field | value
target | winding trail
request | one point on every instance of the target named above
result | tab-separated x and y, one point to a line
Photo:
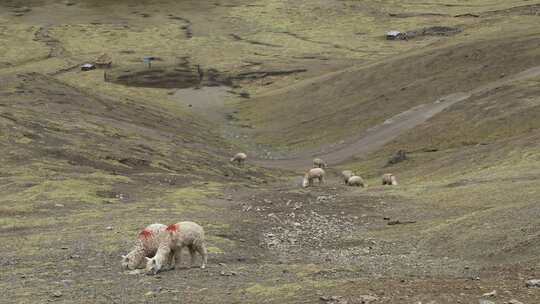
376	137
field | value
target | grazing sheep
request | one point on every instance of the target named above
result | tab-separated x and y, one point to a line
346	175
315	173
178	236
319	163
146	246
389	179
356	181
239	158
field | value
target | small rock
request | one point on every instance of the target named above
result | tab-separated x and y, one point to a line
57	294
59	205
482	301
365	299
149	294
514	301
490	294
533	283
136	271
109	228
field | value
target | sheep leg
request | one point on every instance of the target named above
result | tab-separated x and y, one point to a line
178	257
192	252
204	254
170	261
321	180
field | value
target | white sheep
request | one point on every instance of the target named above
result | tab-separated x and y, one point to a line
315	173
319	163
346	174
178	236
146	246
389	179
239	158
356	181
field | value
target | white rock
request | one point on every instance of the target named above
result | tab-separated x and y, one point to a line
533	283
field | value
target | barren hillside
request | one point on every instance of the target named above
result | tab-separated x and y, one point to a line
89	158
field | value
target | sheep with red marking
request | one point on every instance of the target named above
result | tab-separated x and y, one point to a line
146	246
171	243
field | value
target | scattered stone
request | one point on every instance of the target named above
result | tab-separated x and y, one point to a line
533	283
59	205
482	301
514	301
365	299
109	228
149	294
57	294
490	294
136	271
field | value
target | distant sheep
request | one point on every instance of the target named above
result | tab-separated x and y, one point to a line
356	181
171	243
239	158
146	246
315	173
319	163
346	175
389	179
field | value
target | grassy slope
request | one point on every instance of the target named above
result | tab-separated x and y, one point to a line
479	163
61	144
348	103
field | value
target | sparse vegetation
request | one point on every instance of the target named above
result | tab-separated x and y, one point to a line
91	157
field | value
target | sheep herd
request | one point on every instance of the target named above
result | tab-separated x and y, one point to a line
349	177
159	247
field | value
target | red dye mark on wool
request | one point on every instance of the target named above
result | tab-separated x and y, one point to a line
172	228
145	234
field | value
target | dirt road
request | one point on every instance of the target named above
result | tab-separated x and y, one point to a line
376	137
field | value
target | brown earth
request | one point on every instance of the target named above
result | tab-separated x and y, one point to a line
87	162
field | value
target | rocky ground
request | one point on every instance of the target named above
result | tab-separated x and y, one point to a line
90	158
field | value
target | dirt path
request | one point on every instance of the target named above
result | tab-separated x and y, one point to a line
378	136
